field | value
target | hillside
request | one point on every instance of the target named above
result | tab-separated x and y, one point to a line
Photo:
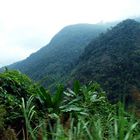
56	59
82	110
113	60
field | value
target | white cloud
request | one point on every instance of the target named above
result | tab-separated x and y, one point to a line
10	55
27	25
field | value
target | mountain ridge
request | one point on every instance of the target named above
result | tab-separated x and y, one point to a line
58	57
112	59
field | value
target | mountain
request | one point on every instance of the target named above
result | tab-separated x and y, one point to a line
54	61
113	60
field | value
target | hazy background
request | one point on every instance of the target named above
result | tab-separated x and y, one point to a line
27	25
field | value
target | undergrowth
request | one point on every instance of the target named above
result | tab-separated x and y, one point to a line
30	112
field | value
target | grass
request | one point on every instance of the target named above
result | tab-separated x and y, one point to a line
119	126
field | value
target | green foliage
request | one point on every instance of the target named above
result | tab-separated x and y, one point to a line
76	87
58	96
13	87
117	127
81	113
45	97
88	100
2	119
113	60
15	83
50	102
28	110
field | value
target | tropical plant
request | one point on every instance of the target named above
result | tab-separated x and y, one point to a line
28	110
50	102
86	100
79	113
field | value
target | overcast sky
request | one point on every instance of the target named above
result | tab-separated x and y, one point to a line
27	25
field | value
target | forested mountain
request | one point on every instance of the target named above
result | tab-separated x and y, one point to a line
113	60
30	111
56	59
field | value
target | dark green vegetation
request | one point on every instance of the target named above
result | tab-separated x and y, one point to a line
54	61
113	60
30	112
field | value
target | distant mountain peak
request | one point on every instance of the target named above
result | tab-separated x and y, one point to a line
128	23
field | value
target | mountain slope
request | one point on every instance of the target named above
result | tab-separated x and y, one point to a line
113	60
56	59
